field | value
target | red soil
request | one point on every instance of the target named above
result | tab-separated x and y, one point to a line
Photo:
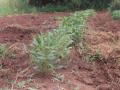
20	28
102	34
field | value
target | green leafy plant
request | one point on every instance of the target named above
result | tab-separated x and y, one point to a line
49	51
75	26
116	14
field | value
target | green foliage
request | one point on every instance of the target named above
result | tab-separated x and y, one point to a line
116	14
94	4
49	50
115	5
75	25
53	8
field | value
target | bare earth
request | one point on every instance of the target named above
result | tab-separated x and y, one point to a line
103	34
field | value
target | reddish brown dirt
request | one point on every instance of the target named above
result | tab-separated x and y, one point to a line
20	28
103	37
102	34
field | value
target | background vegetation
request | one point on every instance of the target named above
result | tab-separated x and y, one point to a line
115	5
28	6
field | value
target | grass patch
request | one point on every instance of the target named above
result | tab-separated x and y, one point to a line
116	14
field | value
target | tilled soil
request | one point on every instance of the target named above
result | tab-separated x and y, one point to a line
20	28
102	35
